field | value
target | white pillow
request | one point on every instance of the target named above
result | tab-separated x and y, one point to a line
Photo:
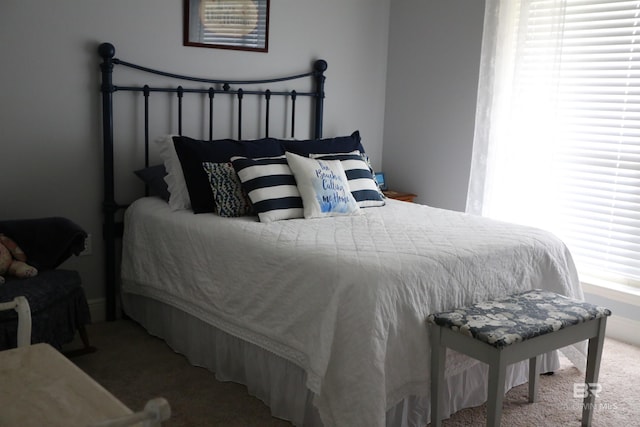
323	187
178	193
362	183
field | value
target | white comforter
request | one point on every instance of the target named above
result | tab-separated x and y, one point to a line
344	298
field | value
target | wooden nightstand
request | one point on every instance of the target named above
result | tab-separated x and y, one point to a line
399	195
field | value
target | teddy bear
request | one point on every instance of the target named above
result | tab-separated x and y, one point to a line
13	260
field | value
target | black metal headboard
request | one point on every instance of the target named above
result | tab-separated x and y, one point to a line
227	87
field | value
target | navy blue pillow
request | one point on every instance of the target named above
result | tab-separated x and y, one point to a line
340	144
153	177
192	153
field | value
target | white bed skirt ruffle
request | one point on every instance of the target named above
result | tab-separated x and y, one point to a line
281	385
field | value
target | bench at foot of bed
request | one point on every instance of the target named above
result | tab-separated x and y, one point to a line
505	331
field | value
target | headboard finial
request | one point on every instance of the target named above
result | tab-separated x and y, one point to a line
106	50
320	65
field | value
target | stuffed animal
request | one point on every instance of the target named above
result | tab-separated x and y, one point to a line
13	260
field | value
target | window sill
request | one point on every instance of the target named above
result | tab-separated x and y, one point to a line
624	302
612	291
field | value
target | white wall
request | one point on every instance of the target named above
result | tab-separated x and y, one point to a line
432	81
49	101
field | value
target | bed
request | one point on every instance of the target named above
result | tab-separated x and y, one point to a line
321	318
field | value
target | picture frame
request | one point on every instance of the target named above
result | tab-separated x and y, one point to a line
380	180
227	24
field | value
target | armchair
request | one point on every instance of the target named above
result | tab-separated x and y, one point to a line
58	304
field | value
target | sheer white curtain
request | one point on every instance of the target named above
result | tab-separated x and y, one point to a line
557	139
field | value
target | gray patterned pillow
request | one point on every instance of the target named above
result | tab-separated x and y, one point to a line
230	199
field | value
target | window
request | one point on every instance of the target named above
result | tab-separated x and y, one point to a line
557	142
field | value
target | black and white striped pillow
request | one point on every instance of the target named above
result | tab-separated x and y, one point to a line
362	183
271	187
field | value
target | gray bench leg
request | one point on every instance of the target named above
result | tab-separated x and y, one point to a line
497	375
593	370
534	373
437	375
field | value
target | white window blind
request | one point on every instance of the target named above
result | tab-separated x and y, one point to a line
576	84
598	112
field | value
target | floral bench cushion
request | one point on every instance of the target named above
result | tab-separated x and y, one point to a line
518	317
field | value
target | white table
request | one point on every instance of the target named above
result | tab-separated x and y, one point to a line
40	387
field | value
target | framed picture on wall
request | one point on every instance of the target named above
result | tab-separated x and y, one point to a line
227	24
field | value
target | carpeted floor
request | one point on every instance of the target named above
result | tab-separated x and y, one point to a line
136	367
